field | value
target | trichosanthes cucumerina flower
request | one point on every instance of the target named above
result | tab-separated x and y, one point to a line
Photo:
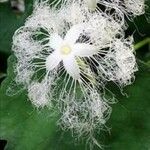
66	55
67	49
64	45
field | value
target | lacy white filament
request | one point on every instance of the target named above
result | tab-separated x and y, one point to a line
66	53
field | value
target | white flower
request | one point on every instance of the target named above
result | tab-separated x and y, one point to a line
84	116
137	7
67	49
65	56
72	43
42	96
126	62
126	7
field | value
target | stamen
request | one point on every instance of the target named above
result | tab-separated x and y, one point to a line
65	50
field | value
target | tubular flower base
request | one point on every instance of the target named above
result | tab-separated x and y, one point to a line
67	53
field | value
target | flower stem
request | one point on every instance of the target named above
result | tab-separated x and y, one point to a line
142	43
144	63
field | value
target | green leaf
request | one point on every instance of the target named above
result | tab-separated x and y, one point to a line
9	22
130	121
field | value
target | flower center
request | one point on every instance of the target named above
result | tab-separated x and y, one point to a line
65	49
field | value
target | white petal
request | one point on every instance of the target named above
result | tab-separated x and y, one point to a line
52	61
74	33
84	50
55	41
92	4
72	67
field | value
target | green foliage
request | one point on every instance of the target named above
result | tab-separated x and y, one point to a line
9	22
130	122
